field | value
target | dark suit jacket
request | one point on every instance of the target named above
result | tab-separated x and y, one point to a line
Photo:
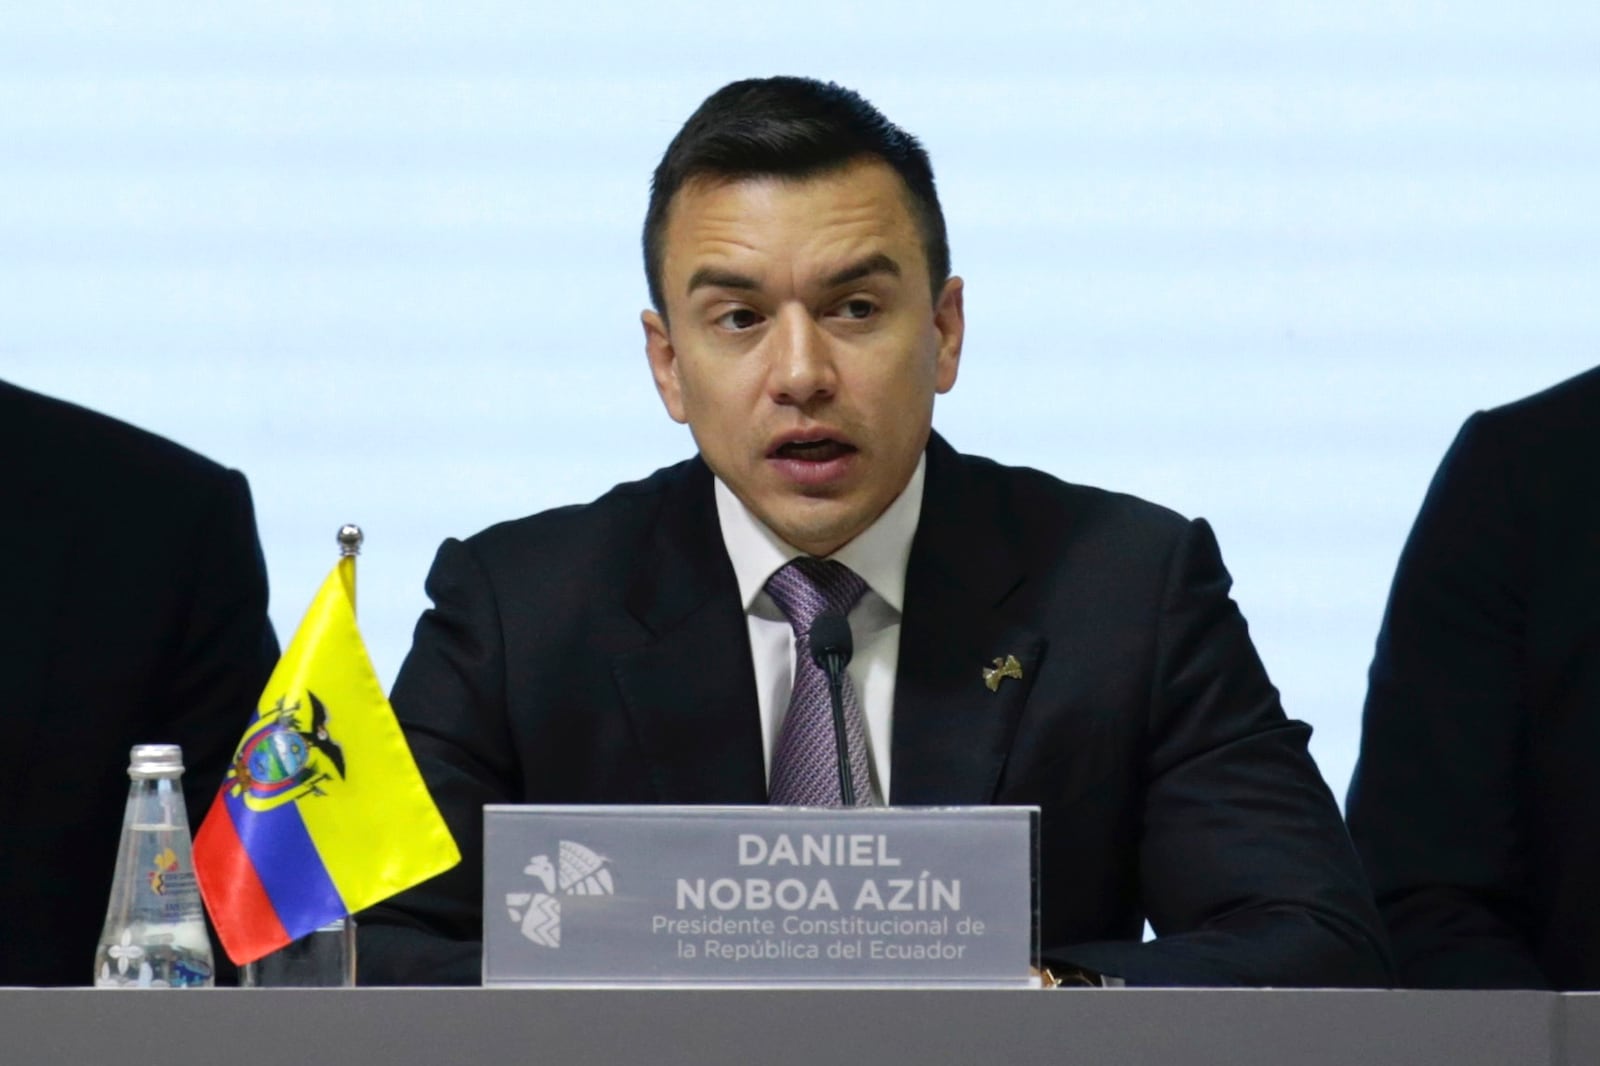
1476	803
599	654
134	611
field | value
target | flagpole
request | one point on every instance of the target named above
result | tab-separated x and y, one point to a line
306	962
350	539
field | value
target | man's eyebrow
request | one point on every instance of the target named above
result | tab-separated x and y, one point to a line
872	264
721	279
715	277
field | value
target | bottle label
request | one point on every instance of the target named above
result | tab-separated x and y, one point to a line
176	891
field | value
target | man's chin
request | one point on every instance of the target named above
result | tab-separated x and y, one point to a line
819	533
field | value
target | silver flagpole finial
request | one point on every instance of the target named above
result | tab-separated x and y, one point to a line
350	538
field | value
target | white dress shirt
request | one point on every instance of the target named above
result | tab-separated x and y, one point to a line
879	555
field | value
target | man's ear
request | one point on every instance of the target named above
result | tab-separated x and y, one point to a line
950	321
663	363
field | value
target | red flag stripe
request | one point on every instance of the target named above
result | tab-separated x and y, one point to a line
241	911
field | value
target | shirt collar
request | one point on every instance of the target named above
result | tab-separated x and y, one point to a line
879	554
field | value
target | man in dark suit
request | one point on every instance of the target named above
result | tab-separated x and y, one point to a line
639	649
135	612
1476	802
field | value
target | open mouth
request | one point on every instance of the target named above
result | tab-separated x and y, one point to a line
813	451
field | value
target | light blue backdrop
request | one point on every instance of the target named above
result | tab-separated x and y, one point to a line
1253	261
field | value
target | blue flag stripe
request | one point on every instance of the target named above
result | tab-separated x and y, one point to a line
288	864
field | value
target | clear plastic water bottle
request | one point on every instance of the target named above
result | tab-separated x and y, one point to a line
155	931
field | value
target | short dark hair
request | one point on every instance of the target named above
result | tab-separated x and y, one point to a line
793	128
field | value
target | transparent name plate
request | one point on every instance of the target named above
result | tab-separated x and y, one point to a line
726	896
325	958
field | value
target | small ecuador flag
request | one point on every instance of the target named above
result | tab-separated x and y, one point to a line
323	811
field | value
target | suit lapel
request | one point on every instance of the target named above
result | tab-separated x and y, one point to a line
690	688
951	731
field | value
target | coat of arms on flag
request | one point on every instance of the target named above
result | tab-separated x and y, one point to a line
285	756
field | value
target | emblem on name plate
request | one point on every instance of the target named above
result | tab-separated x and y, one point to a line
578	871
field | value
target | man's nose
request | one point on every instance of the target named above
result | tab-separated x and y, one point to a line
802	369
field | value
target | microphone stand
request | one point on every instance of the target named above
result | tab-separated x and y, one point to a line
831	648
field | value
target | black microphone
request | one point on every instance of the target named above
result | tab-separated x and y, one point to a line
831	647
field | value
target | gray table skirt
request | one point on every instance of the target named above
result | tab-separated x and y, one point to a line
780	1027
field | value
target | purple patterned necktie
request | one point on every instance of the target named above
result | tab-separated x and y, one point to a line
805	768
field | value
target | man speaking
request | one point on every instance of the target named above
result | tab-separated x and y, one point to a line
1017	640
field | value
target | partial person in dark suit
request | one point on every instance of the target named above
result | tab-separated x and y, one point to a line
1476	801
634	650
135	611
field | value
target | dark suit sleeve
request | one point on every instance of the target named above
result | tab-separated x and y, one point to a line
450	698
1245	869
226	649
1434	801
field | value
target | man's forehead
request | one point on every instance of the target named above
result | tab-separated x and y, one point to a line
838	219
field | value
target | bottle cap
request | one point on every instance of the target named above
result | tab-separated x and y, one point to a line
155	760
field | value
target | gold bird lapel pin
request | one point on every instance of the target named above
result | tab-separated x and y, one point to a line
1002	668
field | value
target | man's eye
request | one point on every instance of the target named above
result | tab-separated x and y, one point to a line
739	318
857	309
